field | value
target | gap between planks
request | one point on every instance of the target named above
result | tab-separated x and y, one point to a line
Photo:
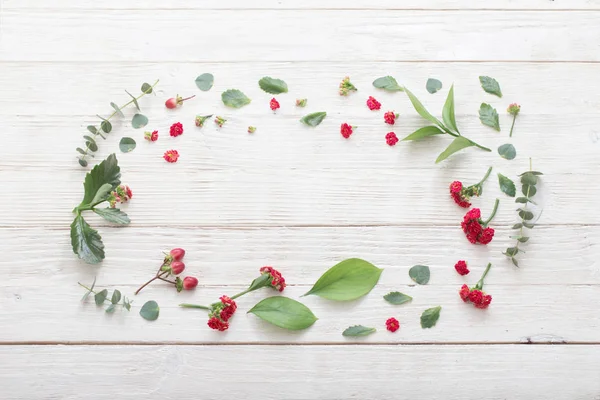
328	61
176	343
62	9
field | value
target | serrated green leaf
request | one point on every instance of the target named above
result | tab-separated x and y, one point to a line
448	111
234	98
150	310
117	109
146	88
106	126
284	313
489	116
421	110
457	145
507	151
387	83
100	297
507	186
127	144
110	309
347	280
528	190
517	226
529	179
107	171
430	317
358	330
134	100
139	121
420	274
397	298
424	132
272	85
116	297
313	119
433	85
205	81
490	85
526	215
113	215
92	129
86	242
101	194
511	251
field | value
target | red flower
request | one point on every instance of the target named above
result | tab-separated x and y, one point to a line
189	282
485	302
476	296
152	137
171	156
486	236
390	118
464	293
216	324
228	309
277	281
456	187
274	104
373	104
461	267
176	129
346	130
392	324
391	139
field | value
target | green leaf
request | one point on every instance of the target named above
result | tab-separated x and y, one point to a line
490	85
139	121
80	150
529	190
489	116
205	82
526	215
86	242
448	111
358	330
537	173
127	303
424	132
528	225
113	215
387	83
511	251
272	85
284	312
106	126
517	226
522	239
110	309
397	298
134	100
507	185
150	310
457	145
117	109
87	294
514	261
100	297
420	274
313	119
529	179
430	317
82	162
433	85
91	143
234	98
92	129
107	171
146	88
420	109
127	144
347	280
102	192
507	151
116	297
524	200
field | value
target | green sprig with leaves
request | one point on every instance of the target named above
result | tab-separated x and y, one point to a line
101	297
529	181
448	126
105	127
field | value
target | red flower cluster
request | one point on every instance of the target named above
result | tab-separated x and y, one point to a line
218	318
274	104
373	104
461	267
462	195
151	136
392	324
479	298
346	130
391	139
171	156
176	129
390	118
121	194
475	229
277	281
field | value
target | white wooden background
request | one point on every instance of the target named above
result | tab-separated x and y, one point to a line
299	199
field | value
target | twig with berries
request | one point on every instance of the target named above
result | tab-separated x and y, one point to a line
462	195
475	294
105	126
476	229
101	297
220	313
172	265
346	87
175	102
513	110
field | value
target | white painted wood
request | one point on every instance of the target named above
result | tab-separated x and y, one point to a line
299	372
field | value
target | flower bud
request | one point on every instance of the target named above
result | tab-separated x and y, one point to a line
177	267
189	283
177	254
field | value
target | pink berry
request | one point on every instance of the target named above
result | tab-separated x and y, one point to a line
177	267
173	102
177	254
189	282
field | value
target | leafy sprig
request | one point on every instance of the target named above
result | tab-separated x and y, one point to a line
105	127
101	297
528	179
448	127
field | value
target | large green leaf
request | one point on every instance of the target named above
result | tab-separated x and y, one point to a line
272	85
284	312
397	298
347	280
205	81
490	85
234	98
86	242
313	119
430	317
448	111
387	83
420	108
424	132
113	215
489	116
107	171
358	330
457	145
507	185
420	274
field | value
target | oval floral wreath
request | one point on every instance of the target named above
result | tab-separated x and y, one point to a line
349	279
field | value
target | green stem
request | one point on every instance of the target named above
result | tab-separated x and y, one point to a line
487	174
185	305
242	293
487	221
158	276
513	125
479	284
83	286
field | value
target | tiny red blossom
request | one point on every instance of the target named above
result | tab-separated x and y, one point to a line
229	308
486	236
461	267
484	302
216	324
373	104
456	187
391	139
390	118
464	293
346	130
392	324
274	104
176	129
151	136
171	156
475	296
277	281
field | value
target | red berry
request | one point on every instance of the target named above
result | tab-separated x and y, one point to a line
189	282
391	139
392	324
171	103
177	267
177	254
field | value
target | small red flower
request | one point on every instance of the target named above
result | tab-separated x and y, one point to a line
456	187
392	324
461	267
228	309
373	104
277	281
274	104
189	282
391	139
475	296
216	324
176	129
151	136
346	130
464	293
177	267
390	118
171	156
485	302
486	236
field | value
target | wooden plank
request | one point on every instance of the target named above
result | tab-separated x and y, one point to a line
300	372
29	35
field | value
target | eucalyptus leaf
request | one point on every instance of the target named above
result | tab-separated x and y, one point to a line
430	317
517	226
490	85
92	129
507	151
424	132
347	280
134	100
146	88
284	312
106	126
272	85
524	200
113	215
529	179
536	173
448	111
80	150
107	171
82	162
91	143
89	291
433	85
116	297
139	121
526	215
313	119
529	190
387	83
421	110
150	310
420	274
205	82
127	144
100	297
528	225
397	298
110	309
489	116
358	330
457	145
86	241
234	98
511	251
117	109
522	239
514	261
507	186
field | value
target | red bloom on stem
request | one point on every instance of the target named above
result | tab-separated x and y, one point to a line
176	129
277	281
462	195
151	136
475	229
391	139
228	309
346	130
216	324
486	236
461	267
373	104
189	283
476	295
274	104
392	324
171	156
464	293
390	118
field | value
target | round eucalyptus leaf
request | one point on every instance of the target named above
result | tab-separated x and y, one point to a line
139	121
127	144
150	310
